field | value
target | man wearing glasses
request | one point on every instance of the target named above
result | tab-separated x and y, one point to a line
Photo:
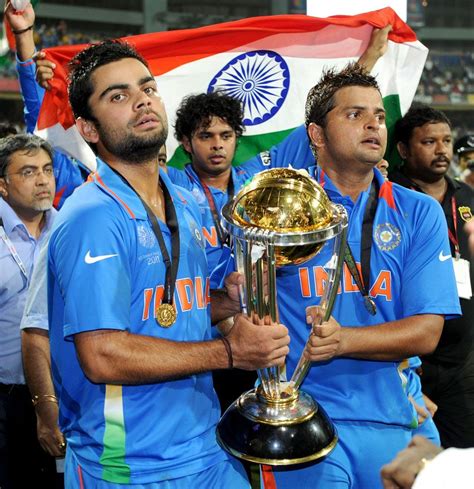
27	188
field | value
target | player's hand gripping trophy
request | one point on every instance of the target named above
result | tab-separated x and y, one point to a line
281	217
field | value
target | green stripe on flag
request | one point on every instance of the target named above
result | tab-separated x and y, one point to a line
247	148
113	457
393	114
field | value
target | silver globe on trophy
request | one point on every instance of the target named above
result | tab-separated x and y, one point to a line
281	217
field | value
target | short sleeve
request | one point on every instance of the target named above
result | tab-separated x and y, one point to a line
89	264
429	284
35	314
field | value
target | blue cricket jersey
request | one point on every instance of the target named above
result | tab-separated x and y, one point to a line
409	237
294	151
129	434
189	180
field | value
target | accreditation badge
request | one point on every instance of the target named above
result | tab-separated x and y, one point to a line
463	278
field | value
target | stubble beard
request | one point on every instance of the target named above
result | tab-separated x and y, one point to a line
134	149
42	206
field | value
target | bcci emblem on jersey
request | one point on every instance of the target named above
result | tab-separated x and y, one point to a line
196	233
387	236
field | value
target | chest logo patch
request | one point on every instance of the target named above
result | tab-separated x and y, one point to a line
387	236
198	195
465	213
145	236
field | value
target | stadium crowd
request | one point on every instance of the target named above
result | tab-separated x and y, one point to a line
108	361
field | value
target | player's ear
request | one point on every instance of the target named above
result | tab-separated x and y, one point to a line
87	129
316	134
187	145
402	150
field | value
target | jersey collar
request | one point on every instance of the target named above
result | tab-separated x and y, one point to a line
109	182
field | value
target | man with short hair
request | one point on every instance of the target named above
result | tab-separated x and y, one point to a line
27	190
129	300
358	354
425	143
208	125
464	149
69	172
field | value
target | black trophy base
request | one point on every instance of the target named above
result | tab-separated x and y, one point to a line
276	434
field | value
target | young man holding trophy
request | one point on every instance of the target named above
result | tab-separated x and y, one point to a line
131	358
389	305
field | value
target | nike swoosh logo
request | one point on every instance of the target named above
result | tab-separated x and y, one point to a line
443	257
94	259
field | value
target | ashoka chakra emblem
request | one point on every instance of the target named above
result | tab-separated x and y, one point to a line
259	79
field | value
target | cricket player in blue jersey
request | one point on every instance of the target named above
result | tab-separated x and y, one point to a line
357	355
208	125
129	301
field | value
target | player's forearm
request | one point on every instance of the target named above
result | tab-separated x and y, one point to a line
25	45
37	361
117	357
412	336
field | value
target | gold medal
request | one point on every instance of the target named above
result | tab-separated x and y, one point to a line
166	315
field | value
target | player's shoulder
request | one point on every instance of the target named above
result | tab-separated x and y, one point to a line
88	211
409	198
180	177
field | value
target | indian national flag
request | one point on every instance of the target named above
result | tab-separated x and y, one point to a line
269	63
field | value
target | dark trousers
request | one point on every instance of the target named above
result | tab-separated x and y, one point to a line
229	384
23	463
451	387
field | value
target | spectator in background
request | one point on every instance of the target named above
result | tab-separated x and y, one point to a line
163	158
425	144
26	215
464	149
70	173
7	129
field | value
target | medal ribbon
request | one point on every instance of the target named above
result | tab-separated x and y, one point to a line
363	281
172	263
221	234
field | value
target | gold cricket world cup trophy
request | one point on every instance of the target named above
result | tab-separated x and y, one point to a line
281	217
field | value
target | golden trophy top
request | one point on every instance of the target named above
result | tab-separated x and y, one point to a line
283	200
287	208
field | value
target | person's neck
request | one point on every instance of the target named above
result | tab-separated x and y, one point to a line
349	183
437	188
144	179
33	220
220	181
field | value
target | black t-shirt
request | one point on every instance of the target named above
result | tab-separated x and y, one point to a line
457	339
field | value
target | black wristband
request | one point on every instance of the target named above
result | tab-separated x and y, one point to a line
22	31
228	349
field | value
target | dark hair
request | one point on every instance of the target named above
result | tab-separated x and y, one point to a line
320	99
196	111
7	129
418	115
85	63
28	143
